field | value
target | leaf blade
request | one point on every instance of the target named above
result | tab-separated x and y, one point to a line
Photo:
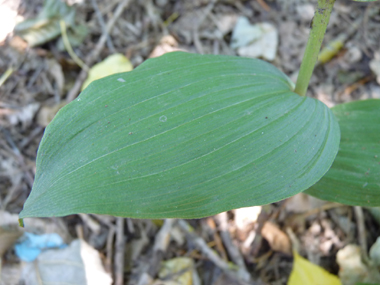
184	136
354	178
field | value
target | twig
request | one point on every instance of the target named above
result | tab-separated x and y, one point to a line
163	236
68	47
119	252
324	207
35	132
91	223
196	40
5	75
233	251
264	5
109	248
160	245
79	231
361	229
209	253
95	53
263	217
130	226
103	25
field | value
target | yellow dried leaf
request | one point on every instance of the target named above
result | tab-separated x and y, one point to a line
177	271
331	50
305	272
115	63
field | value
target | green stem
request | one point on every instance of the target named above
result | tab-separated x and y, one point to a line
318	29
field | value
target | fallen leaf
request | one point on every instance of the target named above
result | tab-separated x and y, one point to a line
47	113
374	252
24	115
301	203
167	44
45	26
115	63
244	33
277	239
75	35
244	219
8	237
246	216
259	40
9	231
352	269
176	271
305	11
78	263
305	272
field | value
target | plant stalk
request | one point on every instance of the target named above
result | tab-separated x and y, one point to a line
318	28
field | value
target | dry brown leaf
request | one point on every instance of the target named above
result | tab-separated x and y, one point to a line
276	238
8	237
302	203
9	231
47	113
167	44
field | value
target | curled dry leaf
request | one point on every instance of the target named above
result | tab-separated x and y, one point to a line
167	44
276	238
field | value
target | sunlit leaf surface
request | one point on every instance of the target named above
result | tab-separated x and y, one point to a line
183	135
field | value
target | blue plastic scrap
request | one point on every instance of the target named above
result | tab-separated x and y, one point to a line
32	245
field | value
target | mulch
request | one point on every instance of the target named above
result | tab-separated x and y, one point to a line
133	250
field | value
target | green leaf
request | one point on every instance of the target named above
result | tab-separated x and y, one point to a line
185	136
45	26
354	178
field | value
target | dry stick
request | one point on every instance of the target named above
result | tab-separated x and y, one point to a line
196	39
109	248
209	253
95	53
361	229
119	252
15	150
69	48
233	251
91	223
103	25
160	245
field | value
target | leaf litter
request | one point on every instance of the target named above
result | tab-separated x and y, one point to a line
43	76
